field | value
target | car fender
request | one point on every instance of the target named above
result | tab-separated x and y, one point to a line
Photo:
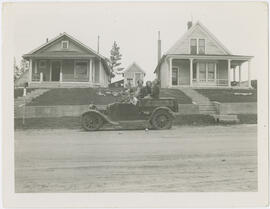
162	109
103	116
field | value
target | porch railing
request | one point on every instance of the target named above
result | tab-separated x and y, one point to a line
36	77
211	82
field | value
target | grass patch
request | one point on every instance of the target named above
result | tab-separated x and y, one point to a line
228	96
18	92
177	94
72	96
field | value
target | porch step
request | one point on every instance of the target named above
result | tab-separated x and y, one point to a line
205	105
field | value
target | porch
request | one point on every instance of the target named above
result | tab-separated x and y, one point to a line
65	72
206	71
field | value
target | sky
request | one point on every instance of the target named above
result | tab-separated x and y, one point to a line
241	27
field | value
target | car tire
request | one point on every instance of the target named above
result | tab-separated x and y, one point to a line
161	120
91	122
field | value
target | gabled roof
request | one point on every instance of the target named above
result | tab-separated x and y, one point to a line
68	36
67	54
173	50
136	65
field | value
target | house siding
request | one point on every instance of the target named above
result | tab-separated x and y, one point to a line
211	46
164	75
57	46
130	73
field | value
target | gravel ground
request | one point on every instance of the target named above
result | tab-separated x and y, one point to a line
183	159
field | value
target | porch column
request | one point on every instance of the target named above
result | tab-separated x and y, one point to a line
41	77
30	70
249	73
229	68
61	74
234	74
170	73
191	72
239	75
99	71
90	70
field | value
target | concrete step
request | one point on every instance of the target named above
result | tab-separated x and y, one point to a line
207	109
210	112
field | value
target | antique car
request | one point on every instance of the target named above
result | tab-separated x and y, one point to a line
154	113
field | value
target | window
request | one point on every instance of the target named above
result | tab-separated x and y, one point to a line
42	64
80	69
64	44
201	46
193	46
211	71
202	69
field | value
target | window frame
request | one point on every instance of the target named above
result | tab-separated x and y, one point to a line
190	42
200	46
76	75
197	45
62	44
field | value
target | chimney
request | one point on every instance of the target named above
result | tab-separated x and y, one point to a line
189	24
159	47
47	40
98	45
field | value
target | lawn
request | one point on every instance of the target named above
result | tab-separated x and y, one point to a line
73	96
229	96
177	94
84	96
18	92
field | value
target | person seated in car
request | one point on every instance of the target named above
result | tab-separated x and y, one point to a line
146	90
138	92
155	89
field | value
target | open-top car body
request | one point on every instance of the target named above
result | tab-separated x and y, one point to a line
156	113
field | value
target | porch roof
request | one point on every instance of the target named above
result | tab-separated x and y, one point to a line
235	59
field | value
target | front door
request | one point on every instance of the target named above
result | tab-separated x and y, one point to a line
56	67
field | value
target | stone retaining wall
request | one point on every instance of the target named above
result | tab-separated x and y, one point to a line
77	110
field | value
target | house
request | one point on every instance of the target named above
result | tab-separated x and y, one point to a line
66	62
132	74
199	59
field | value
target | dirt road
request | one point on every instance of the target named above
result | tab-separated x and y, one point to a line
184	159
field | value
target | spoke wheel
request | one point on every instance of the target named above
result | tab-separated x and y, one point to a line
162	120
91	122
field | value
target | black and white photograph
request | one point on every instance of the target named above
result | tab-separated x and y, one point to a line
136	97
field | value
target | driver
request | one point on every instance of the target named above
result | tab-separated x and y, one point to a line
155	89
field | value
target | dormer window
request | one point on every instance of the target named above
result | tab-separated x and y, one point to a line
201	46
193	46
64	44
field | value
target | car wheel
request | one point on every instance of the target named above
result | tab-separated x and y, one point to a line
162	120
91	122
